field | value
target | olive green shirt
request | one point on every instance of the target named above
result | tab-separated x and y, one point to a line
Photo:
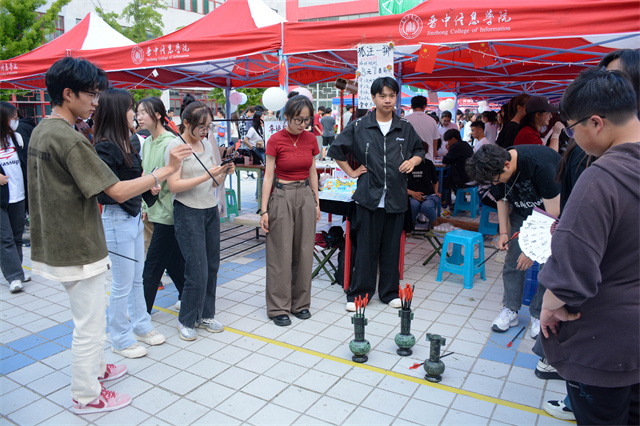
65	176
153	156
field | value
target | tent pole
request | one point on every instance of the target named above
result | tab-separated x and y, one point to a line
227	108
399	98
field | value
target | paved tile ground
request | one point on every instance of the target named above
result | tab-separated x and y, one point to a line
256	373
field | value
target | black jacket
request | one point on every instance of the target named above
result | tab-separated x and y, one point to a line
382	156
4	189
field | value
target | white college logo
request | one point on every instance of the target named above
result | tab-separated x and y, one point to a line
137	55
410	26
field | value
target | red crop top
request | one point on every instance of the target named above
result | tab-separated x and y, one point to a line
292	162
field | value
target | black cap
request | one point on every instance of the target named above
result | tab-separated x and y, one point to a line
539	104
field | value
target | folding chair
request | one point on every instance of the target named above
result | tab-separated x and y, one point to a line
322	254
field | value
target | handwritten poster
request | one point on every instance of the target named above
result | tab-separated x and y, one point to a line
374	60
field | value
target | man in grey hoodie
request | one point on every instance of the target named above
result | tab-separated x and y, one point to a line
590	318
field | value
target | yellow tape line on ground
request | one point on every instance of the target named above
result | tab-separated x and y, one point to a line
417	380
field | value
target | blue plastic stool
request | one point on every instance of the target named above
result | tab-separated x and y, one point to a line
486	227
462	264
232	202
473	206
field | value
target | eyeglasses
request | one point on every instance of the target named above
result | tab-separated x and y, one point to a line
569	130
298	120
497	180
96	95
202	129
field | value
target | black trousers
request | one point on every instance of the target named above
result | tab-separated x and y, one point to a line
164	253
594	405
377	239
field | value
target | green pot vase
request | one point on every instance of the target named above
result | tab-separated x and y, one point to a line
405	340
359	346
434	366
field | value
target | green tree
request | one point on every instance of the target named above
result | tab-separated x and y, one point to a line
22	29
142	15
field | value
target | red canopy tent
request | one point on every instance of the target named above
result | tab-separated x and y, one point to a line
28	69
198	55
535	48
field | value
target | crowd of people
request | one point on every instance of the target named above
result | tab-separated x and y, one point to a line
139	195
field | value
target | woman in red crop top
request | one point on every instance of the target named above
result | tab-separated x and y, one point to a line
289	215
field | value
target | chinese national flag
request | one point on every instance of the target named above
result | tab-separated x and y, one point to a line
426	58
282	74
481	54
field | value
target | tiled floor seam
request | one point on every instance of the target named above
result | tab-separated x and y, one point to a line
379	370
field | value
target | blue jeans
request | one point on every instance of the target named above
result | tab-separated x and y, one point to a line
198	234
428	207
11	229
124	236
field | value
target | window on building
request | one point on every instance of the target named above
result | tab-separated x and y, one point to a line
59	24
197	6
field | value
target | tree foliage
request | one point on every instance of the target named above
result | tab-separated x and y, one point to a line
22	29
142	15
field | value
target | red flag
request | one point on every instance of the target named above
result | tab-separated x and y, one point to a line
282	74
426	58
481	54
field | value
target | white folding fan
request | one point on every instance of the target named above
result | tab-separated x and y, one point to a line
535	235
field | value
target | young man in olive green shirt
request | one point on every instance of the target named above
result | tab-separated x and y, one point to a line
65	176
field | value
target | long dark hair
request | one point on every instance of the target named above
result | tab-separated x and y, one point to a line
520	100
562	167
111	123
257	124
7	110
153	106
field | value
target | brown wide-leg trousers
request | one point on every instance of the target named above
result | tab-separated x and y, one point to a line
290	241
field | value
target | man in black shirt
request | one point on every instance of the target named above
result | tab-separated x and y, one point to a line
422	188
523	177
456	158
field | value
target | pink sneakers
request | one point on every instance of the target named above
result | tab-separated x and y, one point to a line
107	401
113	372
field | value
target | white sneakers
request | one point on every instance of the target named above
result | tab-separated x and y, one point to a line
211	325
506	319
187	333
177	305
133	351
152	338
351	307
15	286
535	328
395	303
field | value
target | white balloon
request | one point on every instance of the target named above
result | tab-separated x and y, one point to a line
274	98
244	98
233	108
305	92
446	104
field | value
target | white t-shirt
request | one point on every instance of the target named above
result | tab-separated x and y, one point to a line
253	137
442	130
10	162
384	127
481	142
491	132
427	128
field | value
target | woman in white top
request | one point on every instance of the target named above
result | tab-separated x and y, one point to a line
13	190
255	136
197	222
490	120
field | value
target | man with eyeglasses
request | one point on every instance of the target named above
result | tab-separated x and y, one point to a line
590	319
522	178
67	238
